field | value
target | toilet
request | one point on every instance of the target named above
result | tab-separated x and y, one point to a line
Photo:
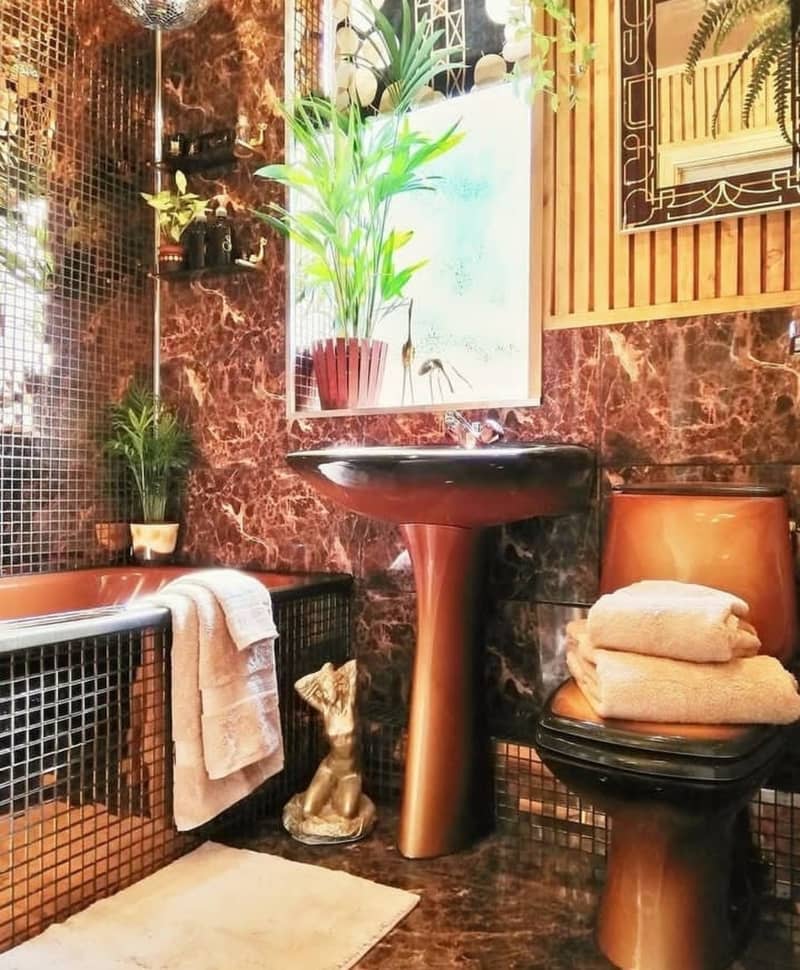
676	895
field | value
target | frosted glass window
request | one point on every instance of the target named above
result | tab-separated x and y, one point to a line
471	301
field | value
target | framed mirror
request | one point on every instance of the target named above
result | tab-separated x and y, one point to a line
685	152
466	331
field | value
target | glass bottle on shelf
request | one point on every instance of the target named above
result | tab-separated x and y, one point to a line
196	237
220	239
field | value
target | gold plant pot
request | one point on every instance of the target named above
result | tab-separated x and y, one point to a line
154	542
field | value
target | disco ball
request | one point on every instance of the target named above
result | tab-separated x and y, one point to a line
164	14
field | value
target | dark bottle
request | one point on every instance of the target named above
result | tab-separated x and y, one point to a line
196	234
220	239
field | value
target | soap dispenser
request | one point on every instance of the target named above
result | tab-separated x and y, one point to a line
220	239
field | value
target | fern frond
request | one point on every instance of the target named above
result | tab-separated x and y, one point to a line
762	71
713	16
782	94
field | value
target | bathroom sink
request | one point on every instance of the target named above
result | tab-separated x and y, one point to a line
451	486
443	498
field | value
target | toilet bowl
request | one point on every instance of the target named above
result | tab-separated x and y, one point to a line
676	894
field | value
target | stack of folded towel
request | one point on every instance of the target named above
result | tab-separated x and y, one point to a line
226	726
677	653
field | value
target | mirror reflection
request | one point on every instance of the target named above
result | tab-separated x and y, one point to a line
709	111
702	132
454	328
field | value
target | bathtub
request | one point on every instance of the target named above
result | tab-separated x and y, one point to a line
85	589
86	753
37	608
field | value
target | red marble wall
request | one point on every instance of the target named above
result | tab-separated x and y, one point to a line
704	398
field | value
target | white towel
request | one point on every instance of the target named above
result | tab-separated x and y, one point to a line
245	601
682	621
628	686
225	713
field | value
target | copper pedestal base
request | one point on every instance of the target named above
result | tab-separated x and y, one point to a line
445	786
668	890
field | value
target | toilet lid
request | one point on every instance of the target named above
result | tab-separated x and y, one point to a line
715	751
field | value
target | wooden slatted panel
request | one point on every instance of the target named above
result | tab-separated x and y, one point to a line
596	275
602	94
793	250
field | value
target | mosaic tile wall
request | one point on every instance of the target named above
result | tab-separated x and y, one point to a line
75	312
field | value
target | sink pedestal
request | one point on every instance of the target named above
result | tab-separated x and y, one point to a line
445	797
444	498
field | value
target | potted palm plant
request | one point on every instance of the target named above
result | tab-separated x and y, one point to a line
176	211
349	166
156	449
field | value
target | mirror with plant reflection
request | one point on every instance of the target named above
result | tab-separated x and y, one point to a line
709	115
408	205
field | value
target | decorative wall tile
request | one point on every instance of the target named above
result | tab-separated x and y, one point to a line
75	305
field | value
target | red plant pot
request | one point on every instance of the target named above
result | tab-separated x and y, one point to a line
171	257
349	372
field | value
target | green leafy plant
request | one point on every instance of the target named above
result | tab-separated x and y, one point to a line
150	441
550	27
776	31
350	166
175	209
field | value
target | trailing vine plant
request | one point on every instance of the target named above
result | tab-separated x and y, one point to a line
551	28
771	47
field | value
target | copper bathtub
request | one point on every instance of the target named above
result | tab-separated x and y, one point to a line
63	637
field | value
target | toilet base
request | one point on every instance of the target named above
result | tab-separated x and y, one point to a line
667	899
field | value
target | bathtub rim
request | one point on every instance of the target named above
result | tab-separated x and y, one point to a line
30	632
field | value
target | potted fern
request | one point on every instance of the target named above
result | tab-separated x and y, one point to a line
176	211
153	445
349	167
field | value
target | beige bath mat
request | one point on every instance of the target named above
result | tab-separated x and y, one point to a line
223	909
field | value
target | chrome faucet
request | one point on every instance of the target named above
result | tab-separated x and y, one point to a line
472	434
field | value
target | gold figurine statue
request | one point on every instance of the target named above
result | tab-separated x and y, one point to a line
333	808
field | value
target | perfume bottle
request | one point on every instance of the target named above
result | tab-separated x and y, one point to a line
220	239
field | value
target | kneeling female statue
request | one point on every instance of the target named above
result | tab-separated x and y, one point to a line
333	808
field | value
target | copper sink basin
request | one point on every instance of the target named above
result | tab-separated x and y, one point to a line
440	485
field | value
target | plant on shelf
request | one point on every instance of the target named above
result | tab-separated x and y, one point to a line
349	166
176	211
774	27
155	448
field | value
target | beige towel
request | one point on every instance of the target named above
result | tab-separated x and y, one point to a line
227	738
239	688
683	621
245	601
751	690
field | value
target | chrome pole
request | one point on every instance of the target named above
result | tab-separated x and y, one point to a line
158	136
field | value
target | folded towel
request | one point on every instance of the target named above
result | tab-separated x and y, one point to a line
225	715
751	690
245	601
682	621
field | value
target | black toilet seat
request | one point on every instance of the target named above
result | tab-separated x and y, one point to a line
570	729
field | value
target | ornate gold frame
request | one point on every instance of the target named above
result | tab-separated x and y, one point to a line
643	204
